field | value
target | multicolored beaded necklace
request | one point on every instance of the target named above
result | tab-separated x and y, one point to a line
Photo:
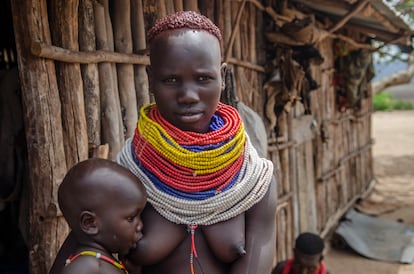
97	255
188	176
187	164
197	178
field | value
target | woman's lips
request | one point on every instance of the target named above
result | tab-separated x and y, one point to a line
190	117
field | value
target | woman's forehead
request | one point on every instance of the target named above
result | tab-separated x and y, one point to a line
185	37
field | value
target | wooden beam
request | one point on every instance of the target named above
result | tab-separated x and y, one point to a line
378	33
245	64
357	8
70	56
352	42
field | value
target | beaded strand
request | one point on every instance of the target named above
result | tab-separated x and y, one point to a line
249	188
97	255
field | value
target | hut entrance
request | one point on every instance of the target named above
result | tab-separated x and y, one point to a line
13	161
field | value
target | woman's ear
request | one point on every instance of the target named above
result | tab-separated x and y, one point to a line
88	223
223	75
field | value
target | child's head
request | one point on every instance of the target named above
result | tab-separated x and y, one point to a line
102	203
308	252
186	75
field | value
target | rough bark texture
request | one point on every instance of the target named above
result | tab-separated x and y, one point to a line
139	43
43	126
65	34
111	112
90	76
126	85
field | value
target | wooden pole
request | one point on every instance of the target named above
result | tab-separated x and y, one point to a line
190	5
126	85
111	47
111	113
169	7
161	8
99	56
64	16
227	31
90	75
139	43
357	8
44	137
178	4
229	45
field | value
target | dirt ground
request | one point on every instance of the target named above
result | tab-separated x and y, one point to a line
392	196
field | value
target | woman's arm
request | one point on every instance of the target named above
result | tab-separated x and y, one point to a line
68	247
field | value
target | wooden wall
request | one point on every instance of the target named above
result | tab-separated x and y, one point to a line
83	79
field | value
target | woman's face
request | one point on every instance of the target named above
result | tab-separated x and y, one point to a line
186	77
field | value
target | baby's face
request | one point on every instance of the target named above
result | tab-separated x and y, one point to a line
186	77
120	221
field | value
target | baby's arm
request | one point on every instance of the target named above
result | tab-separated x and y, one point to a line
260	236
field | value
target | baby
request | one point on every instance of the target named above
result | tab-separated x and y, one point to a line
102	203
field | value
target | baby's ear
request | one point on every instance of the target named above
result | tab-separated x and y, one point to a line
88	223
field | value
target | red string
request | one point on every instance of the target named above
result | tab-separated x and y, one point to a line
193	251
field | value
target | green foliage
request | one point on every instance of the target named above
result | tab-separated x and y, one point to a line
385	101
405	7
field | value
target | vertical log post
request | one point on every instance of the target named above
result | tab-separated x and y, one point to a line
90	75
190	5
161	9
126	86
110	46
111	113
169	7
139	44
178	4
64	16
43	126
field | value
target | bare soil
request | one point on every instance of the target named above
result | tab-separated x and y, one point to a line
392	196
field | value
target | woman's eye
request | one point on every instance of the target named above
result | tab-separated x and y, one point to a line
203	78
171	80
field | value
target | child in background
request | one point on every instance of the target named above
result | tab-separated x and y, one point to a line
307	256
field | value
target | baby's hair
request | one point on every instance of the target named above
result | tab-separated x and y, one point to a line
309	243
182	20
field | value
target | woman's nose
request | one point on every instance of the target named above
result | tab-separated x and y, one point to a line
188	93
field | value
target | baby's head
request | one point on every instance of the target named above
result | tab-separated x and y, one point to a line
102	203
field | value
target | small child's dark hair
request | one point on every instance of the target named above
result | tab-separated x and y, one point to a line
181	20
309	243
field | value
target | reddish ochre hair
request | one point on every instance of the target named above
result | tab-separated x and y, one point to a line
184	20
